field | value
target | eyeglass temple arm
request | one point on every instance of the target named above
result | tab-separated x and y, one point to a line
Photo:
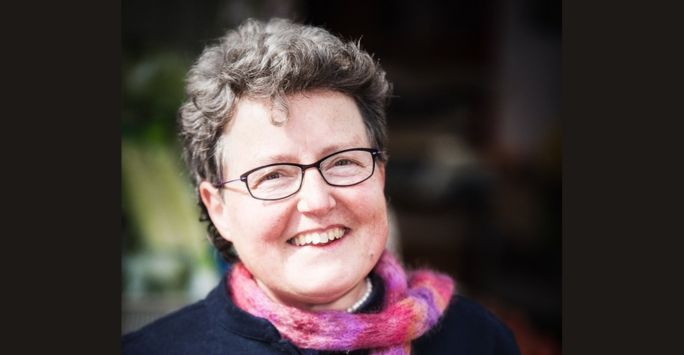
221	184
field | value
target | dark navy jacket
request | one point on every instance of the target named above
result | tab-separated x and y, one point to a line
216	326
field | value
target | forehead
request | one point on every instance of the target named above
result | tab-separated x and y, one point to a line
318	123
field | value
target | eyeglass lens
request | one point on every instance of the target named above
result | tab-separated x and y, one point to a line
341	169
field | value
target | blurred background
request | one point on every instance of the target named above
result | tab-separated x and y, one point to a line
474	176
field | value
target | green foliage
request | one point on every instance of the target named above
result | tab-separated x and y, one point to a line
152	92
164	246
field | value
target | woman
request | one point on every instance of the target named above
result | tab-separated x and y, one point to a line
284	133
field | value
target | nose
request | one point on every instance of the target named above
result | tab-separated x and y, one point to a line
314	196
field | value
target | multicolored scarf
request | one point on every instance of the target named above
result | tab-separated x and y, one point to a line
412	305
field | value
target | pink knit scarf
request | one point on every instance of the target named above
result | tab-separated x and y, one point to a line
413	304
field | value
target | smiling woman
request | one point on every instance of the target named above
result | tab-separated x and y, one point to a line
298	117
316	275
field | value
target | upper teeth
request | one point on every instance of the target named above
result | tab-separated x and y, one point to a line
318	237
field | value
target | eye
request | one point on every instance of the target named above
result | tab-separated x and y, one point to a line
343	162
272	176
269	177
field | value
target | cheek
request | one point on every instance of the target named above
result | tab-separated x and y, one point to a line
254	225
371	213
370	206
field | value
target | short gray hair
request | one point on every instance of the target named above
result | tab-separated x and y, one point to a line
271	60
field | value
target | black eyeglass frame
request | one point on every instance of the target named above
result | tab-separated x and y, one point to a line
375	153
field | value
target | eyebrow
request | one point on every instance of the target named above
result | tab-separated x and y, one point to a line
286	158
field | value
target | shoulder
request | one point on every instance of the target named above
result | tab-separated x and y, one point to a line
468	328
179	332
211	326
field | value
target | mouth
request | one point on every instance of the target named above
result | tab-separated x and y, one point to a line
319	238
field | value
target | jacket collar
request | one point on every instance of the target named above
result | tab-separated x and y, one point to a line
228	316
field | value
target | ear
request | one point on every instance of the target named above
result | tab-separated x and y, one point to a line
213	201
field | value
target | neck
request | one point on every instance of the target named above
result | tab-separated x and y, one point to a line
364	299
342	303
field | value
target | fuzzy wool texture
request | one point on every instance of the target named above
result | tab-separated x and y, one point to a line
413	304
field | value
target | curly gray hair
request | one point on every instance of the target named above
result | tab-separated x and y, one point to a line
270	60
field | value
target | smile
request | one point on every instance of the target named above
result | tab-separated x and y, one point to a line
318	238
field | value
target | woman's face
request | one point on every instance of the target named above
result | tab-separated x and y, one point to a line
322	276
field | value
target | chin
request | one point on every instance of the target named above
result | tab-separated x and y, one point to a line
324	288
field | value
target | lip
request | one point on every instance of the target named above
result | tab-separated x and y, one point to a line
345	233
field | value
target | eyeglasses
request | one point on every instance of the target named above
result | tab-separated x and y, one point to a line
281	180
